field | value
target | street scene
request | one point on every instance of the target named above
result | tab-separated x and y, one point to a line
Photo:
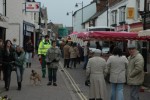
98	50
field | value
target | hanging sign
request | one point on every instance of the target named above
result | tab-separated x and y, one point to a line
130	13
32	6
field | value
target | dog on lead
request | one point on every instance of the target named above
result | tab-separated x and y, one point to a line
35	78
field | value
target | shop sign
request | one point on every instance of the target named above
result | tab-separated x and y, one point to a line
130	13
32	6
3	21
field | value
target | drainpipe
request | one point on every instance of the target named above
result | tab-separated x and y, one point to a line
144	48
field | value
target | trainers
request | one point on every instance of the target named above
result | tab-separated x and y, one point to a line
49	83
54	84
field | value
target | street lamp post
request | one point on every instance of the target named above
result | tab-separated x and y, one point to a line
72	18
81	8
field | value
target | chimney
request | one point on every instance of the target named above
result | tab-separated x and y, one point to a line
100	5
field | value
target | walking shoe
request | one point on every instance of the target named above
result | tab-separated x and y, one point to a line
54	84
7	88
49	83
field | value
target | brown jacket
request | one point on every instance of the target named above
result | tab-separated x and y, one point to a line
66	51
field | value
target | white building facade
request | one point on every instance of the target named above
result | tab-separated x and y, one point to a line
88	11
3	19
21	23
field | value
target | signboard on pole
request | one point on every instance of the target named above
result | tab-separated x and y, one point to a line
32	6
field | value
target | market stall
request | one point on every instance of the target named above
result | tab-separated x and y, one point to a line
112	36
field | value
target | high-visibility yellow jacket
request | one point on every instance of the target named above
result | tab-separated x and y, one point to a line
43	47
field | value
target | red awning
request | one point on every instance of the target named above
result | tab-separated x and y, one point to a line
83	35
111	35
73	33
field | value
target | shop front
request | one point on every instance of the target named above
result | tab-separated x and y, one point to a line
3	26
28	32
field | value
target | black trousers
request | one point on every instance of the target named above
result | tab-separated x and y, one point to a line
73	62
66	63
7	74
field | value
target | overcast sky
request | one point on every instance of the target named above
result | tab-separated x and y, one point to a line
57	9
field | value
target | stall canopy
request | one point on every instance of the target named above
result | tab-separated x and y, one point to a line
144	33
110	35
73	33
83	35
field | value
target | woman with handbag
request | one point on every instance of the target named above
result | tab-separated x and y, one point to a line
95	72
8	60
19	62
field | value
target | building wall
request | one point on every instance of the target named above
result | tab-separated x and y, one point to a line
88	11
116	7
15	20
1	6
17	15
101	20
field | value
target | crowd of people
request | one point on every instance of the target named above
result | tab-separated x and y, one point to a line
120	69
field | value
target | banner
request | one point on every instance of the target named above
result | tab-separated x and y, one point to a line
32	6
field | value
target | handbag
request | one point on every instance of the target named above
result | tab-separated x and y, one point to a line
13	67
87	83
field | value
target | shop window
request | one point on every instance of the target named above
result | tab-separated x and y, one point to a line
148	6
122	14
138	7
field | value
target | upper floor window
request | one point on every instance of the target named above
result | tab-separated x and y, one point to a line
122	14
148	5
114	17
138	8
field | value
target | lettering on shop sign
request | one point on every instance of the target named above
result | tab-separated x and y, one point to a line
32	6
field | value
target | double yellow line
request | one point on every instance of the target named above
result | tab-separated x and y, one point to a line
73	83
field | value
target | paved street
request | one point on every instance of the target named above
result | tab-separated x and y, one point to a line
39	92
66	89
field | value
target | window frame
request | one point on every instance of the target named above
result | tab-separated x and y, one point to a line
122	14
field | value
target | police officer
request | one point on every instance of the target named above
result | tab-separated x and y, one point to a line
52	58
44	45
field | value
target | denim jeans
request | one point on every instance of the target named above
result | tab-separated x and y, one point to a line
28	57
117	91
52	74
19	73
85	62
43	66
134	92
